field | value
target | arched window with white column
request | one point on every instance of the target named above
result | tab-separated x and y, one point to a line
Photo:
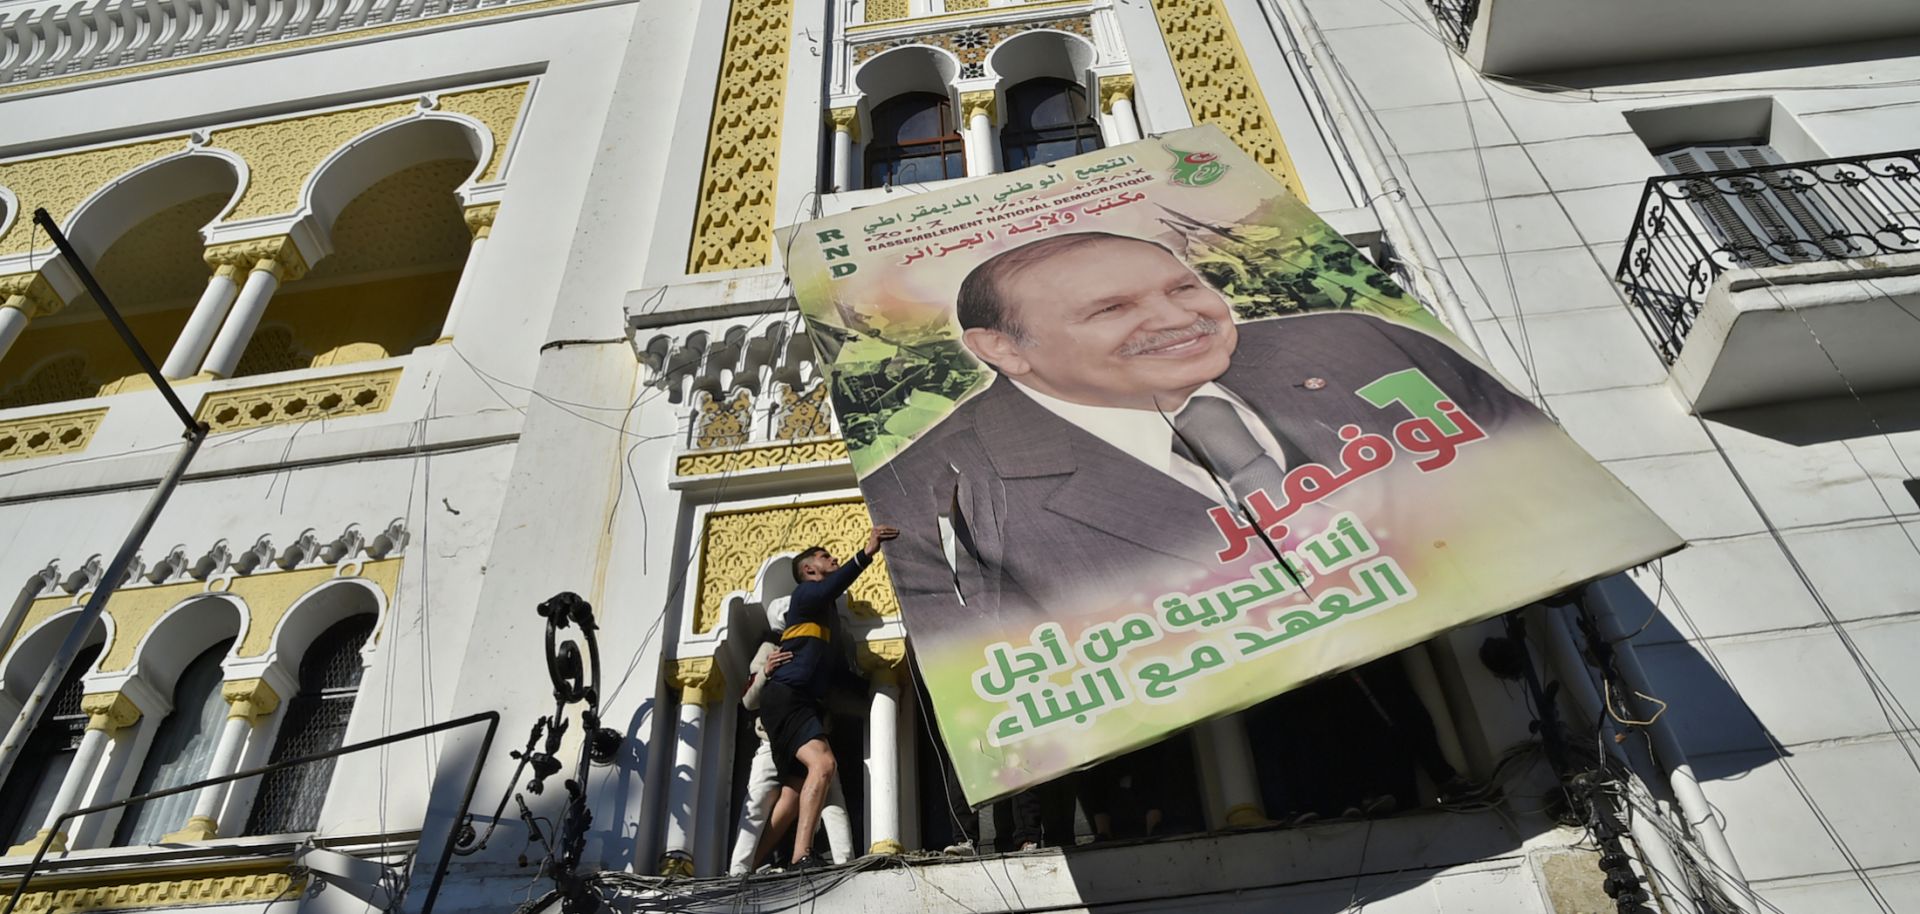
49	753
316	719
181	750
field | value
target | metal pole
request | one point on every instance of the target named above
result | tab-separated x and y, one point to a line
83	625
491	718
60	241
196	432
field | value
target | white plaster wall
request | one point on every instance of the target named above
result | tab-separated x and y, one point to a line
1736	636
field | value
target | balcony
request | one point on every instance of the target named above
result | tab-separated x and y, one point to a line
1456	19
1516	37
1781	282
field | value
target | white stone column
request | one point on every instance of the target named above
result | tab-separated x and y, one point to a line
248	701
191	348
984	157
480	224
1426	686
883	660
13	322
1116	99
1233	766
23	297
846	132
275	260
106	712
700	681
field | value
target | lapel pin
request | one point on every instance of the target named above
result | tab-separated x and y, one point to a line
1314	383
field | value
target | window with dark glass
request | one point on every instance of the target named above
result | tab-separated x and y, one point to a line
181	750
915	140
289	800
43	762
1047	119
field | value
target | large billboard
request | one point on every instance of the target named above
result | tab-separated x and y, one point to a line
1162	444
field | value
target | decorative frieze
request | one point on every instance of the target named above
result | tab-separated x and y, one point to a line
300	401
133	892
278	255
109	711
733	224
47	436
760	458
735	544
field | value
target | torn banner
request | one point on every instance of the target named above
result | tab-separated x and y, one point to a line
1162	445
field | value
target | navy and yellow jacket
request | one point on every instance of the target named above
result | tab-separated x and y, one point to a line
808	634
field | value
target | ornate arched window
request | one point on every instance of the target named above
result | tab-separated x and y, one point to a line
290	799
43	762
1047	119
181	751
915	140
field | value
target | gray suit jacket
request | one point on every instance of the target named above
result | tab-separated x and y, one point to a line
1042	511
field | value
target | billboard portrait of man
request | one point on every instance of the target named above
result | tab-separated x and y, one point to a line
1125	397
1161	444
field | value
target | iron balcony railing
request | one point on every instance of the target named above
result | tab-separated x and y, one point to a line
1456	18
1693	227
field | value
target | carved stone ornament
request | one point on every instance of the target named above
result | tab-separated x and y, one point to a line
277	255
109	711
700	680
1114	88
250	699
30	294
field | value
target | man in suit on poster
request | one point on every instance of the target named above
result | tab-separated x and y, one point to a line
1063	486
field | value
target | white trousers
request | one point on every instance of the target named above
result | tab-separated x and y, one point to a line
763	789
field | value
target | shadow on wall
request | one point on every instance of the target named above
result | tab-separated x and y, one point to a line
1830	418
1723	736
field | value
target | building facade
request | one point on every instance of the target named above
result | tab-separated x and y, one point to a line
482	302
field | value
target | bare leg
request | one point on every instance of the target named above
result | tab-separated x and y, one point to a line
813	794
777	823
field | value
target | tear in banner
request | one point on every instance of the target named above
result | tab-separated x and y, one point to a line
1162	444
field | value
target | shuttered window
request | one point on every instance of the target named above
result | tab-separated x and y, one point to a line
1769	215
289	800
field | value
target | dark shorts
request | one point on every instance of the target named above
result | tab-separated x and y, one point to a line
791	720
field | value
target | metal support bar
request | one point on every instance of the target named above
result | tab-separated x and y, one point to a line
491	718
60	241
36	703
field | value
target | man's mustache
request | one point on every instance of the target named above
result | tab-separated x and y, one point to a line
1204	326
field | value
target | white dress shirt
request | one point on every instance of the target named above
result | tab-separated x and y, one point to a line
1145	435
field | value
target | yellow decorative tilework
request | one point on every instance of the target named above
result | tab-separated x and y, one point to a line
132	892
885	10
280	155
760	458
733	224
724	423
736	543
298	401
804	415
46	436
60	181
1219	84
